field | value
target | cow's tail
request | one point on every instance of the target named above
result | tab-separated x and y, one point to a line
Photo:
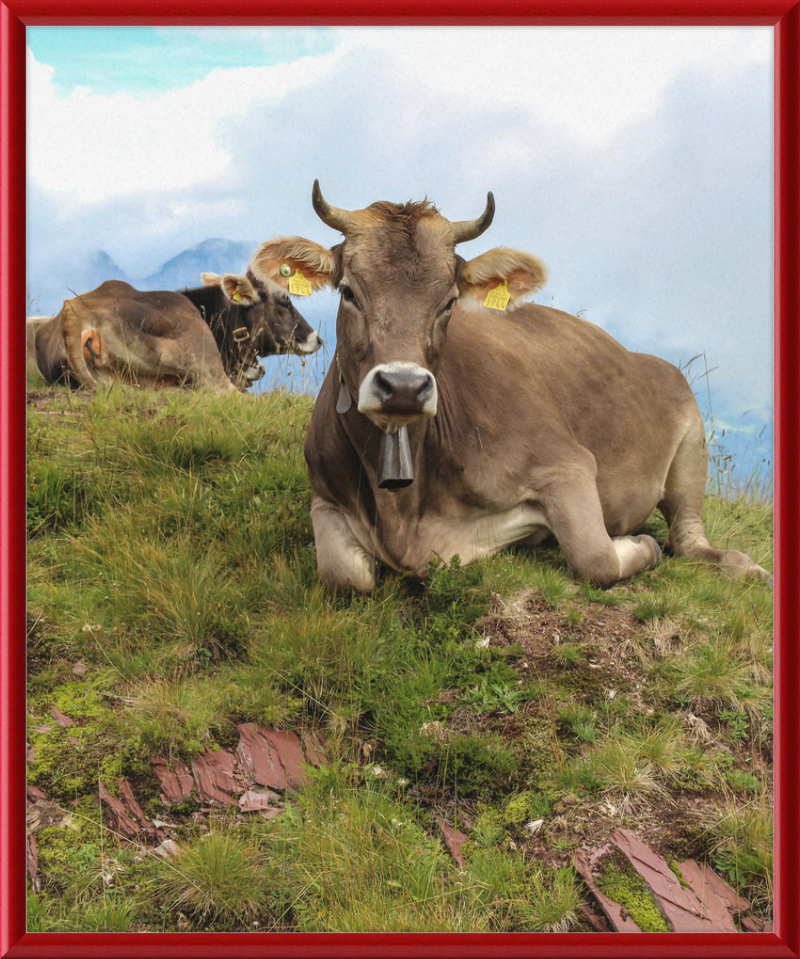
74	338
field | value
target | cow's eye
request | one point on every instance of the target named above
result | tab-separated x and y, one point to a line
347	293
451	304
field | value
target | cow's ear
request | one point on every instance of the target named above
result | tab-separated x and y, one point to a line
210	279
522	273
277	260
239	289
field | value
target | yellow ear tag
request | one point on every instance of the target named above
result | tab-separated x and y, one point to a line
497	299
299	285
236	296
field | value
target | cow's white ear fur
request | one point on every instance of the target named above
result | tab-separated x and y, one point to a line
523	272
315	262
210	279
233	283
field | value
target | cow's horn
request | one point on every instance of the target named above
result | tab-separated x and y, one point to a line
332	215
471	229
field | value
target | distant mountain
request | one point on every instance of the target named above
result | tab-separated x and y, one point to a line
49	286
210	256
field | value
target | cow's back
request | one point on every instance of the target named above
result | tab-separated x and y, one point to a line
154	313
567	372
522	393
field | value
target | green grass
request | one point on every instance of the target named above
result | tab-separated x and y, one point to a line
171	558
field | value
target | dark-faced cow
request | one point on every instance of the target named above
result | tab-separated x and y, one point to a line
513	425
250	319
118	333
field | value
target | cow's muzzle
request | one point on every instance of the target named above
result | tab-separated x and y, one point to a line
253	372
397	393
310	344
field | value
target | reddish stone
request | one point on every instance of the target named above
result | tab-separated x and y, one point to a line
314	747
177	784
713	908
733	901
34	793
60	718
274	758
752	925
214	775
290	754
261	766
598	923
136	810
32	862
455	839
120	821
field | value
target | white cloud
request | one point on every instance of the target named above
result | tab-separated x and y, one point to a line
592	81
87	148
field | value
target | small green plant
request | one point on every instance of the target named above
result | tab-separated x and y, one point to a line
568	655
742	845
581	720
489	696
743	781
617	879
736	722
488	829
552	901
217	878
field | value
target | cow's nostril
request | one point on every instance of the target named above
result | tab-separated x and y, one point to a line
426	389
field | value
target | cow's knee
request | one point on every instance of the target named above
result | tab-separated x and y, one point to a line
342	562
636	553
617	559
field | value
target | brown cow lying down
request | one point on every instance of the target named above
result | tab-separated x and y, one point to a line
449	428
162	339
119	333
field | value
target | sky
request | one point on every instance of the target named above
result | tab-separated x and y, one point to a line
635	161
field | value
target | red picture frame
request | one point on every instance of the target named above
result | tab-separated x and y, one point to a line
15	15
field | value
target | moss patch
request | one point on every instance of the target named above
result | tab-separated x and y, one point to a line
618	880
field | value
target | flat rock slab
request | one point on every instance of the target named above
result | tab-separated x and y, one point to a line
60	718
214	773
254	800
32	862
596	921
719	900
454	840
176	783
117	815
272	758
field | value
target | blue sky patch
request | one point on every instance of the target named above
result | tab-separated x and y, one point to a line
150	59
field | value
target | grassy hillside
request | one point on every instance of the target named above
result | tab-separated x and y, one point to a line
172	594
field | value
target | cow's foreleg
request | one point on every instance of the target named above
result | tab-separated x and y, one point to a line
684	494
342	561
575	516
